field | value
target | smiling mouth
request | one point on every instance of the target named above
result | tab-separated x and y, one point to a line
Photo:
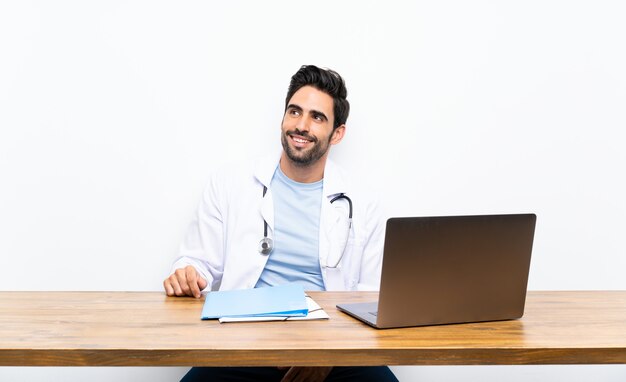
300	141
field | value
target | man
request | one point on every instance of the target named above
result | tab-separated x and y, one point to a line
301	206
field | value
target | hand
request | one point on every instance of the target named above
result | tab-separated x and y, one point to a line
185	282
306	374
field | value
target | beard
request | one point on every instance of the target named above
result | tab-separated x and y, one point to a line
304	157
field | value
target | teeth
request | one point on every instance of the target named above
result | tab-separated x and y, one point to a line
300	140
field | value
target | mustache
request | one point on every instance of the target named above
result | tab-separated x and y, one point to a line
302	134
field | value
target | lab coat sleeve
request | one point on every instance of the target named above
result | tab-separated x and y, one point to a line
203	245
371	262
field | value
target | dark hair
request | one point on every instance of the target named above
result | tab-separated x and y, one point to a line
327	81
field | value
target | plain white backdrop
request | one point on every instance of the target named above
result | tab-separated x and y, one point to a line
113	113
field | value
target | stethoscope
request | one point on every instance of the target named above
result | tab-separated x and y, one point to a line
266	245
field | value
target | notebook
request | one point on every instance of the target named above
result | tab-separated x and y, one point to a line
451	269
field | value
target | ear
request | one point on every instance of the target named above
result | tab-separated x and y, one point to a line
338	134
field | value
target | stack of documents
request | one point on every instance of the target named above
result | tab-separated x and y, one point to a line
285	302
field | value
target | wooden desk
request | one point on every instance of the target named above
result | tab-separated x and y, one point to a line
150	329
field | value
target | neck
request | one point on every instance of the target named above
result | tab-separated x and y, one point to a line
303	174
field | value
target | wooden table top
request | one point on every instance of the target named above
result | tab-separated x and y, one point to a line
150	329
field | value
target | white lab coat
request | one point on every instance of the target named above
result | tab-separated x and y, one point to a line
223	239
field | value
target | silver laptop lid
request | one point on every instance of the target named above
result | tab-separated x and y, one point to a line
453	269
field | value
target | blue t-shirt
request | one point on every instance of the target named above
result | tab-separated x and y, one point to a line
295	257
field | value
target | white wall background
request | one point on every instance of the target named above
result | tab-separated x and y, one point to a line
113	113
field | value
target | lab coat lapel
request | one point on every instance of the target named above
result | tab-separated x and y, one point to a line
264	171
330	218
267	211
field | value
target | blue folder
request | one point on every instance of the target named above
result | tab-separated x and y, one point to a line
284	300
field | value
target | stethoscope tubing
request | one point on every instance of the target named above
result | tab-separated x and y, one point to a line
266	245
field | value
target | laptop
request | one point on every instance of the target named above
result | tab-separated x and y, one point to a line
451	269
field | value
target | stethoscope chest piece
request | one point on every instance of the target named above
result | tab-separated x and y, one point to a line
265	246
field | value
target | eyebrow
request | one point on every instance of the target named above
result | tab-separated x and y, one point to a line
294	106
318	113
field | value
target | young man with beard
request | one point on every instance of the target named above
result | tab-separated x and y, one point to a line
301	207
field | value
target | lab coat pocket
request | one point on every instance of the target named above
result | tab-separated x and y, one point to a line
351	263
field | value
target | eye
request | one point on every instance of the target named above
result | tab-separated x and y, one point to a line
318	117
294	112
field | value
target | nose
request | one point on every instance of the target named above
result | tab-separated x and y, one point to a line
302	124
